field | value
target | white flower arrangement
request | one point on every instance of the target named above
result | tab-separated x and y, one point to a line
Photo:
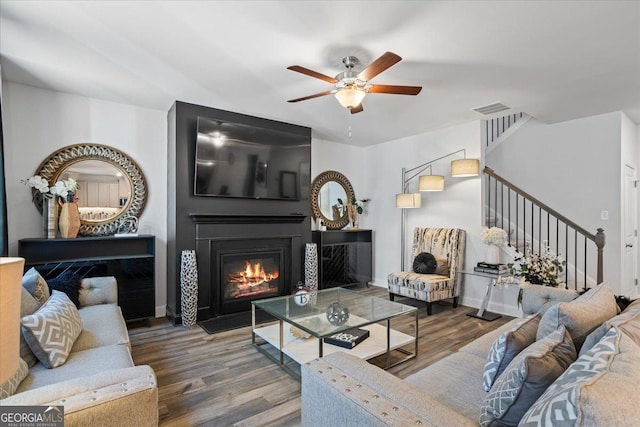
39	183
494	236
65	188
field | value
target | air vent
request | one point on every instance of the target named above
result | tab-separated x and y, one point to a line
491	108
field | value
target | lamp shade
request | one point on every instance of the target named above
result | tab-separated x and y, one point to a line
349	97
431	183
408	200
465	167
10	297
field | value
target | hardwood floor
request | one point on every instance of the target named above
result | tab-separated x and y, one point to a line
223	380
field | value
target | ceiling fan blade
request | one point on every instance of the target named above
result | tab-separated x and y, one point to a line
398	90
358	108
316	95
312	73
379	65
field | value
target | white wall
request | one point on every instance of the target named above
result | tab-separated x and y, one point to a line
575	168
38	122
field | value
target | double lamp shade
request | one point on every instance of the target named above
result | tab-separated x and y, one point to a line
459	168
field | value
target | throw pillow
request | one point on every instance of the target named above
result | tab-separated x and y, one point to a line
526	378
28	305
598	389
628	321
506	347
33	282
11	385
424	263
69	283
580	316
443	267
52	330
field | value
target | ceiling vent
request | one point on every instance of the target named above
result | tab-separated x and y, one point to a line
491	108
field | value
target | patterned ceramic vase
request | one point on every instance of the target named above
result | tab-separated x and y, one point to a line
189	287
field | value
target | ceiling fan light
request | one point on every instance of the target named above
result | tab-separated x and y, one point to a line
465	167
350	97
431	183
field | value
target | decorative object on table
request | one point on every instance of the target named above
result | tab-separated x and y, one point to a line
348	339
353	207
337	314
311	270
538	269
189	287
301	295
314	323
485	267
494	238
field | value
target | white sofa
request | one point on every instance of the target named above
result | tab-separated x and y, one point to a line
98	385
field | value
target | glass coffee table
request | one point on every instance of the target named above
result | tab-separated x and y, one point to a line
297	320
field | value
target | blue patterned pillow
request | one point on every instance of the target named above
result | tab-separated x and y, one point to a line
598	389
526	378
506	347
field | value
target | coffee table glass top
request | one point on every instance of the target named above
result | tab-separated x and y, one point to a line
314	319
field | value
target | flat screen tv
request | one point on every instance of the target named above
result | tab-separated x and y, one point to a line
238	160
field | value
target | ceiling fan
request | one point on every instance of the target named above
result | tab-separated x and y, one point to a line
351	87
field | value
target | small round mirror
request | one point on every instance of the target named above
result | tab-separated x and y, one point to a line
326	189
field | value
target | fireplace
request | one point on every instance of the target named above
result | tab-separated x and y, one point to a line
246	275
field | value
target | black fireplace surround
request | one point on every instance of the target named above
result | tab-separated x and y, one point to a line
219	227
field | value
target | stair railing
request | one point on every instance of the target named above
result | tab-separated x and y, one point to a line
530	223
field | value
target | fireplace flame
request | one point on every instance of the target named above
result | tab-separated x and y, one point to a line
253	274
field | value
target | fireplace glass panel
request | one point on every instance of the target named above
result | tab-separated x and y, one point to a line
251	275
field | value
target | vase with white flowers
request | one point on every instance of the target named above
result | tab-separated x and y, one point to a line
494	238
40	190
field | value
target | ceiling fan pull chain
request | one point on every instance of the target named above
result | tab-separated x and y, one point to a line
349	112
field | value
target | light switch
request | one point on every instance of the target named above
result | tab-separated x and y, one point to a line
604	215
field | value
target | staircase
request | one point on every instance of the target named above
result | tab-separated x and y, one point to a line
532	225
496	130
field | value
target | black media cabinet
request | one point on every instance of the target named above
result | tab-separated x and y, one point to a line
130	259
344	257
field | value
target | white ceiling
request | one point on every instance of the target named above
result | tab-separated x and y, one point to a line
553	60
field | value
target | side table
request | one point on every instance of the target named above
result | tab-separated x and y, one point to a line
482	312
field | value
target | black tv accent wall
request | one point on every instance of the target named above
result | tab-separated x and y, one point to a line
183	207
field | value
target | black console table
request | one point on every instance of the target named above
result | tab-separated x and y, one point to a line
345	257
130	259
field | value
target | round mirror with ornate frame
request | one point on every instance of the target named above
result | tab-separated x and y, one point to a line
326	189
112	184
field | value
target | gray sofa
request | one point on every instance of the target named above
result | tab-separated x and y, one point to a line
98	385
341	389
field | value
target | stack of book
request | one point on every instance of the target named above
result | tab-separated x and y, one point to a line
485	267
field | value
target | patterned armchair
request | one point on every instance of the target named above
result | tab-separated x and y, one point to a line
447	246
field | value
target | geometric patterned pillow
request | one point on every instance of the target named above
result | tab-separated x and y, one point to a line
526	378
9	387
506	347
562	404
33	282
52	330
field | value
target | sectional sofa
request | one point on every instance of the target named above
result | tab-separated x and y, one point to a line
600	388
98	384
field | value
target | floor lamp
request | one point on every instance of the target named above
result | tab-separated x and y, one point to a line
459	168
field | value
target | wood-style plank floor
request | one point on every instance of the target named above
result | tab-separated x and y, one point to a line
222	380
